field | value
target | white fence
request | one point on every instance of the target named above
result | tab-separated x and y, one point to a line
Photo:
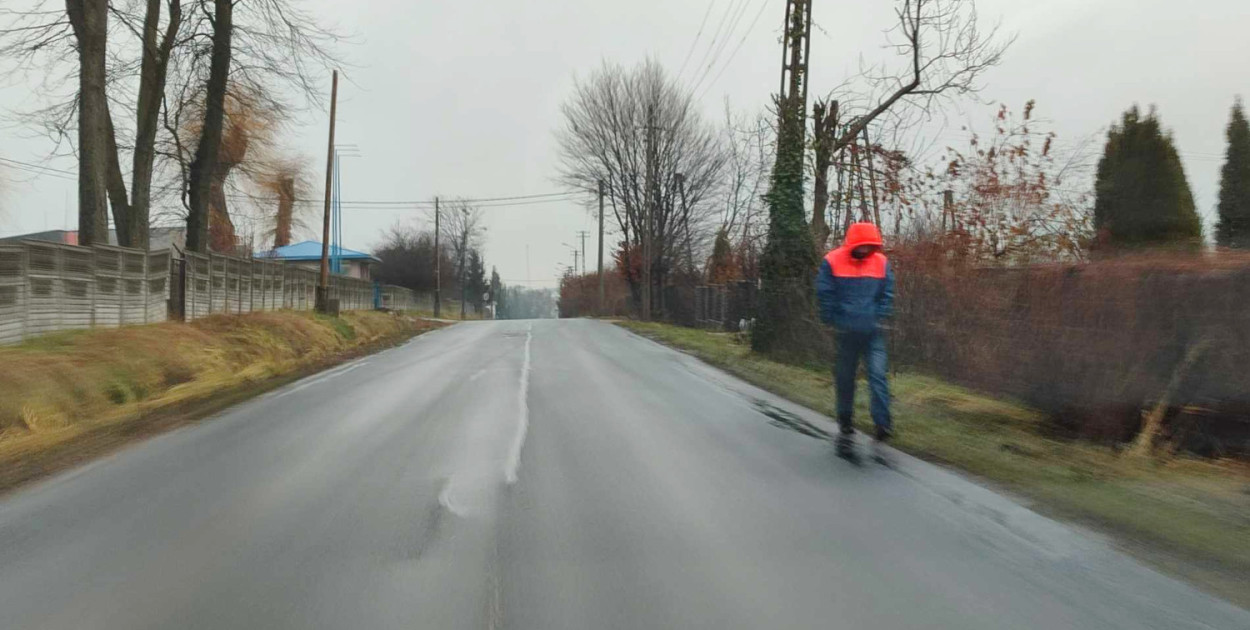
46	287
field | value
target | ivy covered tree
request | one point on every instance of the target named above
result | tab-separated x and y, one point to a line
789	260
1233	229
1141	195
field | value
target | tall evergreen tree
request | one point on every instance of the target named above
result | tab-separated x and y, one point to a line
1142	196
1233	229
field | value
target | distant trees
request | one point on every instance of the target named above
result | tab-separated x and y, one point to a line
407	255
1233	228
1141	195
743	222
638	131
475	281
524	303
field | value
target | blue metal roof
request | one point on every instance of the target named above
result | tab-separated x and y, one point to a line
311	250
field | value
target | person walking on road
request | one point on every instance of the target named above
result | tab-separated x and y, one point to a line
855	289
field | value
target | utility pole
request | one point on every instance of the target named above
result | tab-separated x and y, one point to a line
583	234
575	262
464	249
438	265
798	45
872	181
948	208
601	247
649	209
685	220
323	285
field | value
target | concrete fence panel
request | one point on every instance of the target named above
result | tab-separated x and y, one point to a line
47	287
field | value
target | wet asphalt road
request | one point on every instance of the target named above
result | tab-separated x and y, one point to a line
544	476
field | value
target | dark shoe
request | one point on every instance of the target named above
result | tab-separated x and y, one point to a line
845	445
880	452
884	434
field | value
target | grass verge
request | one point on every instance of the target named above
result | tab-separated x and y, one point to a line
1189	516
69	397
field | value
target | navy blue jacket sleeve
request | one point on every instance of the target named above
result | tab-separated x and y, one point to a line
885	297
826	292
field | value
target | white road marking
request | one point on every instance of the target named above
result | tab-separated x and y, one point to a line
322	378
523	413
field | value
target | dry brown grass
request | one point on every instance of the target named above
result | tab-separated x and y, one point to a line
56	387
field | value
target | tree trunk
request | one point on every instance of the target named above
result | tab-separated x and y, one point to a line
872	181
204	165
89	20
115	183
221	234
838	220
824	125
152	74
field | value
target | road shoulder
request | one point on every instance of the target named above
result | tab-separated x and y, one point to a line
1187	517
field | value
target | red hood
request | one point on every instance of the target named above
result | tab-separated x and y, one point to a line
862	234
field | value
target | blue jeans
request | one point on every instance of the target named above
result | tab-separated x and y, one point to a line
851	346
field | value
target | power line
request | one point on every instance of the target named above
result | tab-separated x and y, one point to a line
733	28
734	54
557	196
694	43
719	47
715	36
38	169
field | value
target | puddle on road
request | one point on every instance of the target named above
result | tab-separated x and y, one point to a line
786	420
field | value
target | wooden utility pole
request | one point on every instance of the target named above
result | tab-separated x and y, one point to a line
601	247
438	265
464	250
838	222
323	285
685	219
872	181
582	234
948	208
649	209
858	171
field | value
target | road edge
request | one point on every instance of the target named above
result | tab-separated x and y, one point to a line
1216	580
106	439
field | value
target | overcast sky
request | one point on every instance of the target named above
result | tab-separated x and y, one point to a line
458	98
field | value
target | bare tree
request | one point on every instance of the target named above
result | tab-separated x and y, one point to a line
461	226
749	145
946	53
37	40
288	180
265	47
638	132
133	216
